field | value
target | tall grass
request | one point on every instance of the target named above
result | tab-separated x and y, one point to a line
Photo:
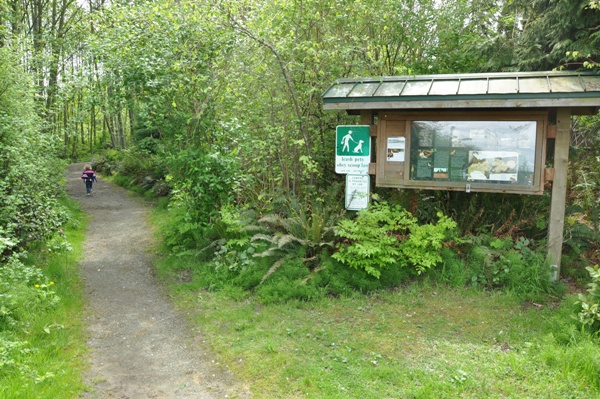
43	352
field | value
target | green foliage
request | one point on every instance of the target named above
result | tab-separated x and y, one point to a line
517	266
41	337
589	313
579	235
383	236
304	230
202	183
235	250
288	284
31	214
29	170
545	34
338	280
424	243
586	188
25	291
161	58
108	162
372	244
582	216
487	213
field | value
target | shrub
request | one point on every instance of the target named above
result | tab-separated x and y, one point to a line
202	183
383	235
337	279
234	248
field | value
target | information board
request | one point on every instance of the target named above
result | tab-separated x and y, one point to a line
499	152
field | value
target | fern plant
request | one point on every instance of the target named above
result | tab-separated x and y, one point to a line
305	229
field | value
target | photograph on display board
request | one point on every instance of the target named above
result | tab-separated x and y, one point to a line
395	149
496	166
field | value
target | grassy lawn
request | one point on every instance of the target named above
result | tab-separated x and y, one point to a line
415	342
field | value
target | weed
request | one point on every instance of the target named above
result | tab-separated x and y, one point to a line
589	314
305	230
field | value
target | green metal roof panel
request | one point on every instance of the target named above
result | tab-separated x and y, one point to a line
416	88
444	87
522	89
590	83
472	86
389	89
534	85
364	90
340	90
566	84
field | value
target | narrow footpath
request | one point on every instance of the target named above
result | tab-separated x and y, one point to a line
141	346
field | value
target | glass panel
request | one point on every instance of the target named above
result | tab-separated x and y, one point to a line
444	87
388	89
497	152
565	84
416	88
534	85
339	90
590	83
364	90
473	86
503	86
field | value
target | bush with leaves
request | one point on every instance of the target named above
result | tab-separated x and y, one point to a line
30	172
202	184
589	314
383	236
30	213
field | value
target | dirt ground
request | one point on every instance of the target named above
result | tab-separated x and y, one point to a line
141	346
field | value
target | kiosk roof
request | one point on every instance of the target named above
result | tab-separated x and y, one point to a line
482	90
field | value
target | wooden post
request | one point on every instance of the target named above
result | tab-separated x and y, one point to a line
366	117
559	190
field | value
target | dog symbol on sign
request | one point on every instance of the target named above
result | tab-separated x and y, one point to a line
358	149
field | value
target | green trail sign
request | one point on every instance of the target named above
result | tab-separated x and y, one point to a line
352	149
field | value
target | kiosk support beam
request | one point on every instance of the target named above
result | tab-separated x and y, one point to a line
559	190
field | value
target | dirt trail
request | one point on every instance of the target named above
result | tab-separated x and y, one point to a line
141	346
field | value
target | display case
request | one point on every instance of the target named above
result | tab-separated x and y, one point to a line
474	151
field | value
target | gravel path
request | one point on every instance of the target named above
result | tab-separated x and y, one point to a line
141	346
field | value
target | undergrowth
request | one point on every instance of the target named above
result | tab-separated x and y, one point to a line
311	254
41	327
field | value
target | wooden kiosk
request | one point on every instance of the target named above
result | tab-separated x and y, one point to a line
472	132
